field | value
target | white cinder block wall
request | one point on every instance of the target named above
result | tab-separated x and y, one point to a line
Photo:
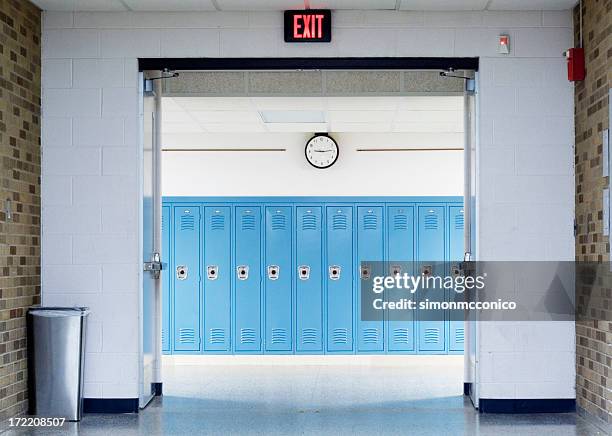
90	161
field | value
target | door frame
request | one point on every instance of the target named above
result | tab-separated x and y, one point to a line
350	63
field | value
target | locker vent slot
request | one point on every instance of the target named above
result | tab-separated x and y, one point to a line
279	336
163	222
459	221
217	336
217	222
370	336
186	336
432	335
309	336
370	222
431	221
400	222
247	336
339	222
279	222
187	222
340	336
248	222
163	336
401	336
309	222
459	336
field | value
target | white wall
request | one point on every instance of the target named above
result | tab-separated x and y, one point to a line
288	173
90	166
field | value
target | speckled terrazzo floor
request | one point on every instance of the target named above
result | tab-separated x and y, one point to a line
416	395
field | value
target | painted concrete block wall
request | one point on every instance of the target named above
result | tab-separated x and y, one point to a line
90	165
288	173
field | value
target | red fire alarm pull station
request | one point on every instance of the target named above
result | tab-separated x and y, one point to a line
311	25
575	64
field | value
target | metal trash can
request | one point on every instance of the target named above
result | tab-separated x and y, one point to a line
56	350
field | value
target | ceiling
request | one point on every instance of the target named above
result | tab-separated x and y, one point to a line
406	114
280	5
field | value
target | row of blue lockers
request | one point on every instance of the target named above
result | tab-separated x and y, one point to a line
282	275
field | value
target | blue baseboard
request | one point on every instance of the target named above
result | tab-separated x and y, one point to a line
467	388
157	389
110	405
547	405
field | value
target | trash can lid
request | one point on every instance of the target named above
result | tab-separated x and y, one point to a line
59	311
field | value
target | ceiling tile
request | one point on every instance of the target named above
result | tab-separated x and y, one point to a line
181	127
443	5
81	5
438	103
357	4
226	116
286	103
455	117
363	103
298	127
234	127
360	116
361	127
427	127
259	5
170	5
531	5
213	103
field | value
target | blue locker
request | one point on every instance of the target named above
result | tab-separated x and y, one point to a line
278	278
456	252
217	278
339	277
431	256
186	273
309	285
400	248
370	255
165	276
247	333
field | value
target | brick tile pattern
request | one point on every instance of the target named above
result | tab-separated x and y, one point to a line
593	349
20	166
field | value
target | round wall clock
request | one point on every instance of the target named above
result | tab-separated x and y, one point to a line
321	151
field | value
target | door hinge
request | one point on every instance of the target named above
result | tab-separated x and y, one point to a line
155	266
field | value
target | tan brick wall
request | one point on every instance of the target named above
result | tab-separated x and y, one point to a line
20	33
593	354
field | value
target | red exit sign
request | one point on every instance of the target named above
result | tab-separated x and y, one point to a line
311	25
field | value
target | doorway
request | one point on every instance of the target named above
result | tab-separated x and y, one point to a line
228	156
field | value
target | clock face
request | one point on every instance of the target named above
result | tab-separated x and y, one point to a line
321	151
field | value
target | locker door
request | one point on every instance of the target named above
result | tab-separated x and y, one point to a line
278	278
217	289
400	332
186	276
309	285
431	255
339	276
456	326
370	256
165	300
247	336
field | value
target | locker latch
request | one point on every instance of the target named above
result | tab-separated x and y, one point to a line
395	270
273	272
366	272
334	272
455	270
427	270
181	272
212	272
304	272
243	272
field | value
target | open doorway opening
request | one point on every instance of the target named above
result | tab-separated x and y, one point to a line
283	194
